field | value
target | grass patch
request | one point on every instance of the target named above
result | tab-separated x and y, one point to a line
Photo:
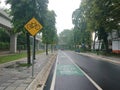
40	51
24	65
8	58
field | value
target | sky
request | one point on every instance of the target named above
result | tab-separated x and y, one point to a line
3	5
63	10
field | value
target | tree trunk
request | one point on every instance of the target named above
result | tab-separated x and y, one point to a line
46	49
28	49
13	43
99	46
94	41
51	48
106	44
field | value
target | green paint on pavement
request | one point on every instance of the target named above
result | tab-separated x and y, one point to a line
68	70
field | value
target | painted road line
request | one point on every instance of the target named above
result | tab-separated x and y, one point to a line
54	76
91	80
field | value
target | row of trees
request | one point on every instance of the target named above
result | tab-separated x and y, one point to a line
4	40
23	10
73	39
66	39
99	16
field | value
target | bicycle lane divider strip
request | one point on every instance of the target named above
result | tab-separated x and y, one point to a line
54	76
89	78
64	69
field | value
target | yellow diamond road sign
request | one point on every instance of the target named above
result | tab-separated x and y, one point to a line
33	26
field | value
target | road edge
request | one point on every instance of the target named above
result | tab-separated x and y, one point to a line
39	82
103	58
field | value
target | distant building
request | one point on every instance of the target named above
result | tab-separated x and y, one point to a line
113	41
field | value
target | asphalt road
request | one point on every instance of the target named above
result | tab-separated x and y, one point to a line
77	72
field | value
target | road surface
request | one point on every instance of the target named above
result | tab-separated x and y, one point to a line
77	72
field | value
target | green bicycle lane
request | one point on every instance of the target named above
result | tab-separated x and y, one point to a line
68	76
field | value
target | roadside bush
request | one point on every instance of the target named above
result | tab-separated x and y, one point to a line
4	46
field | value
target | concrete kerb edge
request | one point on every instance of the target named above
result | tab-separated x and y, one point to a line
105	59
11	62
39	82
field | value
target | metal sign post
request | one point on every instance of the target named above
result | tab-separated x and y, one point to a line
33	57
33	27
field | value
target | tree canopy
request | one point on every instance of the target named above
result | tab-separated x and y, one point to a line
66	39
23	10
49	33
99	16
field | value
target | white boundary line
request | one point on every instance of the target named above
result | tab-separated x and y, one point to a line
54	76
91	80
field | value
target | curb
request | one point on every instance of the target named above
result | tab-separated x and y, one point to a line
39	82
103	58
12	62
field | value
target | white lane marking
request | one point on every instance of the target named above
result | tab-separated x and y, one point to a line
54	76
91	80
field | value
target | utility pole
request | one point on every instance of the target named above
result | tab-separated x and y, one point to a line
34	14
34	48
33	57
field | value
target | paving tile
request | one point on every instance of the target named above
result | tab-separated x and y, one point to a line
17	83
15	78
20	88
11	81
10	88
23	85
28	81
5	84
2	88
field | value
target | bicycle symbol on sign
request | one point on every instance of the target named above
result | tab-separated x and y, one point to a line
33	25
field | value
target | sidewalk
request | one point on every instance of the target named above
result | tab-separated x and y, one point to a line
2	53
13	77
111	59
